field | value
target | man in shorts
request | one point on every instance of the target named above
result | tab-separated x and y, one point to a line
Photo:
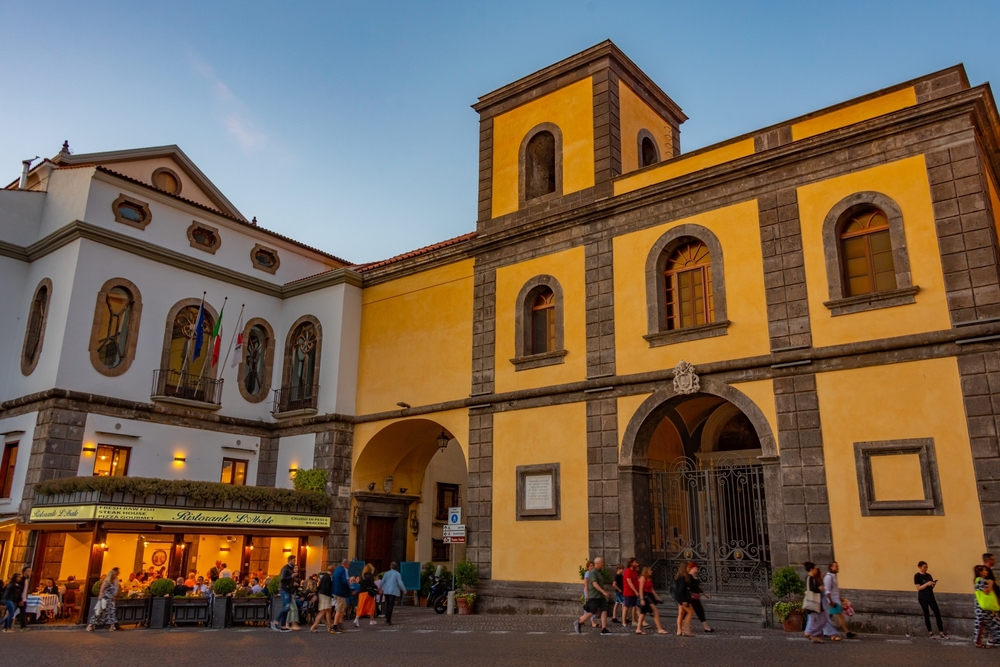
619	583
598	595
341	594
630	591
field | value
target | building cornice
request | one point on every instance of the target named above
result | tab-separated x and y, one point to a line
79	229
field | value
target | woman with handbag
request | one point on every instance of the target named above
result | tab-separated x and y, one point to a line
987	610
649	601
694	585
104	610
818	623
366	598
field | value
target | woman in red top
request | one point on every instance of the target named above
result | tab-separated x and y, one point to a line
649	601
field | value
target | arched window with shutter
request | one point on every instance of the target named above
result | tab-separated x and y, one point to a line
34	332
116	327
689	296
300	376
538	324
540	164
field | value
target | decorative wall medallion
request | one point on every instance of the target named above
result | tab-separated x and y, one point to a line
387	484
265	259
685	380
204	237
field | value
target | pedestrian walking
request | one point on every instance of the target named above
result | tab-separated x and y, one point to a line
588	568
814	606
22	599
630	592
104	609
598	595
835	605
293	608
366	598
694	588
11	600
286	586
925	583
682	596
987	608
325	604
341	593
393	590
617	584
649	601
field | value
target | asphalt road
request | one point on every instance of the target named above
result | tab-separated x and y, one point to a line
421	638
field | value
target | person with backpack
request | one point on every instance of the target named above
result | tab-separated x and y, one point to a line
682	596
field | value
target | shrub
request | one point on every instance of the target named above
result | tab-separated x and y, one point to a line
274	586
786	582
223	586
470	598
783	609
466	575
95	590
311	479
147	486
161	587
242	593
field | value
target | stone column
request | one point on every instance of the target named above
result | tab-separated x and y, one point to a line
784	272
480	512
332	452
267	461
602	479
633	481
980	374
56	446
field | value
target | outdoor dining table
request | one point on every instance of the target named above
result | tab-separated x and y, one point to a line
40	603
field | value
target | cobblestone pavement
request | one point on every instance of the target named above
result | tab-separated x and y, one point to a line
419	637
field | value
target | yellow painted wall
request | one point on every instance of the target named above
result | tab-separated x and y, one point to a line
627	405
416	339
738	231
991	187
921	399
568	268
635	115
572	109
879	106
540	550
682	165
761	392
897	477
905	182
76	557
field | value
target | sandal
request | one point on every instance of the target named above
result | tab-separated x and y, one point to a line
836	638
709	630
639	632
815	640
981	646
90	628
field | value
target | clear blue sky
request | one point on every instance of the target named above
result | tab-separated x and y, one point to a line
347	125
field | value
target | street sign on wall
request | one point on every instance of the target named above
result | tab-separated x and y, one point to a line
454	515
454	540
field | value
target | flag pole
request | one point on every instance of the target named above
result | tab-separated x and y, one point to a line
239	319
211	341
188	348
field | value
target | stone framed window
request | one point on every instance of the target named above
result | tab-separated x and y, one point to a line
648	151
131	211
540	164
182	378
300	374
167	180
204	237
34	331
867	265
538	492
538	324
265	259
685	287
898	477
115	330
257	360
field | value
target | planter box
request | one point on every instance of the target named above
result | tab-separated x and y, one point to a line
191	610
276	606
250	610
220	612
134	611
795	622
464	608
159	613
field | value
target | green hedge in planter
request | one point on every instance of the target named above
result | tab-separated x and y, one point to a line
208	491
274	586
161	587
466	575
311	479
223	586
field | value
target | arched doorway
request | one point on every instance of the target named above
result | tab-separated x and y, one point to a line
403	485
692	468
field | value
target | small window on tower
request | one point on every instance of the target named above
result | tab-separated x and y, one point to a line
649	153
167	181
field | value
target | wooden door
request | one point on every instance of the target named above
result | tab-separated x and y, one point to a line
378	541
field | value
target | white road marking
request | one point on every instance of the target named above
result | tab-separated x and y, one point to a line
460	632
750	637
422	632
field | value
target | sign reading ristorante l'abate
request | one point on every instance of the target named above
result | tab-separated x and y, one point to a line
178	515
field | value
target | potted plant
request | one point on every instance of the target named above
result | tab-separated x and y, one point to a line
222	588
159	604
785	584
132	606
274	588
466	578
249	607
192	608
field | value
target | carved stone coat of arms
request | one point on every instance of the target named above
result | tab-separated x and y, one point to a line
685	379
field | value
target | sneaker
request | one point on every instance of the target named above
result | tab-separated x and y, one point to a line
851	635
605	631
944	636
274	626
371	622
357	623
285	630
576	628
615	620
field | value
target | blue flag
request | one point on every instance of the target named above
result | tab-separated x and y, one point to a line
199	328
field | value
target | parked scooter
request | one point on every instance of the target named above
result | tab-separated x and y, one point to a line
438	595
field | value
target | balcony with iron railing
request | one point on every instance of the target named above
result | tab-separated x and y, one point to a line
172	386
295	401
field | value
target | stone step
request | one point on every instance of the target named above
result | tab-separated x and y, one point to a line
724	608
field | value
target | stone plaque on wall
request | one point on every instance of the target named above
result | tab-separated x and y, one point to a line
538	492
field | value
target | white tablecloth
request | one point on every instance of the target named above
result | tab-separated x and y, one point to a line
39	603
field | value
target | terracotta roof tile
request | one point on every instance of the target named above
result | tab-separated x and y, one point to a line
361	268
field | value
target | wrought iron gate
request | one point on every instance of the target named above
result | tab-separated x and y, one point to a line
716	517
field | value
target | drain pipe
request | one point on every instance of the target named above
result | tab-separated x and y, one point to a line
25	168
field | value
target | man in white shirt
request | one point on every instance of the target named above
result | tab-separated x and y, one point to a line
226	572
834	604
255	586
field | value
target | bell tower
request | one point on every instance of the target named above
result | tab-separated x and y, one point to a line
559	136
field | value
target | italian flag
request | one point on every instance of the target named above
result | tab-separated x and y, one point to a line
217	338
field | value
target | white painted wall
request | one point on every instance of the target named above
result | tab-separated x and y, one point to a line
295	451
21	215
13	275
447	467
18	429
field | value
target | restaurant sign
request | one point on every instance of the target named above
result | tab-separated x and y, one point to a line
178	515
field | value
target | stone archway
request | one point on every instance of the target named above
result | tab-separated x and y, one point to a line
634	468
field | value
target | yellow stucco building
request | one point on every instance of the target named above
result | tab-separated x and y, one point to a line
775	349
